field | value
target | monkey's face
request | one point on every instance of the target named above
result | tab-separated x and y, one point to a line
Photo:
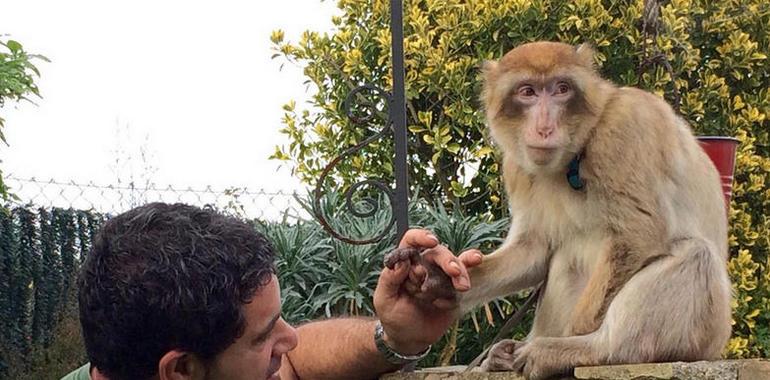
536	105
536	120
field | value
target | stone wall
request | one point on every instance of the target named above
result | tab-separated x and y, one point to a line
718	370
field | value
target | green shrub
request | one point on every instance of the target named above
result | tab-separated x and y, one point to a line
17	82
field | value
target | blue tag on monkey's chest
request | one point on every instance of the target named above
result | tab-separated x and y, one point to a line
573	174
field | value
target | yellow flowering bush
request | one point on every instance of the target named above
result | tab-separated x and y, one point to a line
718	56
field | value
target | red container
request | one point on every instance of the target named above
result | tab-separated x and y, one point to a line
722	150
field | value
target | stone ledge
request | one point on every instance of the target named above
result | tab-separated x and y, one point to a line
754	369
716	370
450	373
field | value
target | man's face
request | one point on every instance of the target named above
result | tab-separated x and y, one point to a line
257	354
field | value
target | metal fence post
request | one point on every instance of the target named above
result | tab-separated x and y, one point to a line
398	114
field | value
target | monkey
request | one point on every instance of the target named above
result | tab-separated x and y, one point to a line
614	208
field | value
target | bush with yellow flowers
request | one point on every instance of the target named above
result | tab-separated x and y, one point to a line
709	57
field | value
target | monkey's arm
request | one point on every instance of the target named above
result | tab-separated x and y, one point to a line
518	264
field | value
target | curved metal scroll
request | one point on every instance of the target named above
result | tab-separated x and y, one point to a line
356	100
651	22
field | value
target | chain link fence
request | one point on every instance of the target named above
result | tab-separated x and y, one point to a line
113	199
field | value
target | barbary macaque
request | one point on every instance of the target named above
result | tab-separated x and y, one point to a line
614	207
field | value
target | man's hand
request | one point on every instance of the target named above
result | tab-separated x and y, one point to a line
427	281
409	325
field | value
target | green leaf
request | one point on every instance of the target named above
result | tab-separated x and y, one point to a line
416	128
276	37
14	46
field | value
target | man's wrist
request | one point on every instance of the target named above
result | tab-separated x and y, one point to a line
397	353
406	348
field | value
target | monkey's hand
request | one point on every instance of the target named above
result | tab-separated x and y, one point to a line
427	282
500	357
435	274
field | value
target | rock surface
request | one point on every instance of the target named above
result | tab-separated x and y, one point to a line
755	369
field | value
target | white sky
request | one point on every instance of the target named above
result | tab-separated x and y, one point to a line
195	77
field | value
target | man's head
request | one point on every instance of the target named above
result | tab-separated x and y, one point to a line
180	289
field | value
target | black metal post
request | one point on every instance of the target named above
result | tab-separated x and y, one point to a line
398	115
361	108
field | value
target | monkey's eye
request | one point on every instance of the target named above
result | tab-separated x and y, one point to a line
526	91
562	88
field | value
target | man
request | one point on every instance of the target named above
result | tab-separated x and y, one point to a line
175	292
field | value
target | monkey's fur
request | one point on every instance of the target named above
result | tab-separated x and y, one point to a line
635	263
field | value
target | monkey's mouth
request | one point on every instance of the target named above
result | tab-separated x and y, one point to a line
541	155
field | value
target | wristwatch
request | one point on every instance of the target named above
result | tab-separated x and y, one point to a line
390	355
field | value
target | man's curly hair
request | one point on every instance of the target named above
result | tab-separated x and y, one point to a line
162	277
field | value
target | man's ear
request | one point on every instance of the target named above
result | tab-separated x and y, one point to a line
96	374
180	365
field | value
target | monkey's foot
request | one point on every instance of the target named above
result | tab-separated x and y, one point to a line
500	357
540	359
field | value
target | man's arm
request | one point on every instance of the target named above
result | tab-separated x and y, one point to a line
345	348
336	349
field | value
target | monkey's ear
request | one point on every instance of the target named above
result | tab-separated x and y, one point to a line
585	55
489	69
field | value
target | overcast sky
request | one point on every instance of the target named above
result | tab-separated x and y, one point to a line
193	77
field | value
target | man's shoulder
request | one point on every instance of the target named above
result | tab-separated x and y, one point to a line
81	373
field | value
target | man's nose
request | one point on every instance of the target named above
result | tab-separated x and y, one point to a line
289	337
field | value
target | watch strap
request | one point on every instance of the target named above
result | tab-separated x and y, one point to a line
389	354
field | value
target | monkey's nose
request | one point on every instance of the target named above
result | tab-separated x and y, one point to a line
545	132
